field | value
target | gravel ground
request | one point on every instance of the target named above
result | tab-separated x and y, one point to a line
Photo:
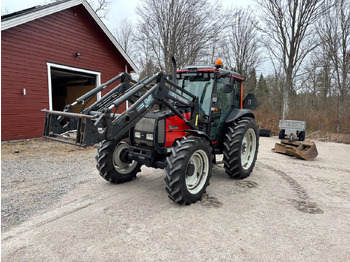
287	210
36	173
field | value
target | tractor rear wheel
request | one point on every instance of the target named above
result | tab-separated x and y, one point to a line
240	148
188	170
112	161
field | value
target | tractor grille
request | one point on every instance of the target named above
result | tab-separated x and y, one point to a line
146	133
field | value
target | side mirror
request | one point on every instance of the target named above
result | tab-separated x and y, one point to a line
250	102
228	87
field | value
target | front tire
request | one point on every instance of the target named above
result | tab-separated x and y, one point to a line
112	163
241	146
188	170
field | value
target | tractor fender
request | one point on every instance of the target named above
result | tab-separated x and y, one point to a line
205	136
238	113
231	118
200	133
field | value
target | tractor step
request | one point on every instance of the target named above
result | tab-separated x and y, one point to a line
302	150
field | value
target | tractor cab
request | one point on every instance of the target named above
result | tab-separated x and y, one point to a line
219	92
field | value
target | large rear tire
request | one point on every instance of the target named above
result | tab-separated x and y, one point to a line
112	163
241	146
188	170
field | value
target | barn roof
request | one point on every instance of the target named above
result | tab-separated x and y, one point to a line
24	16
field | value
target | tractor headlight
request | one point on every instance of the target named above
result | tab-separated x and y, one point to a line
149	136
137	134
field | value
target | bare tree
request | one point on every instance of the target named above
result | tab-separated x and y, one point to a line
145	57
289	36
185	29
216	49
125	34
101	7
334	31
242	48
318	77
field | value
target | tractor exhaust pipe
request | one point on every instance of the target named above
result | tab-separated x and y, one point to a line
174	68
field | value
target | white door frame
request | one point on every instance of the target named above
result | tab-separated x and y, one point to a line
70	68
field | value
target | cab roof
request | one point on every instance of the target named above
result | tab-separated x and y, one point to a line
213	69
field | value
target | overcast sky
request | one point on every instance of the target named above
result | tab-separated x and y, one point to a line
119	9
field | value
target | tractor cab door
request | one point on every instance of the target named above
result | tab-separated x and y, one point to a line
202	87
227	95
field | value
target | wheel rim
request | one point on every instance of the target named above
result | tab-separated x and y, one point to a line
119	165
248	149
197	171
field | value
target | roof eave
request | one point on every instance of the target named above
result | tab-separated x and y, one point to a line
110	36
25	18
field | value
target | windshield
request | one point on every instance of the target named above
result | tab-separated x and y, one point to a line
202	88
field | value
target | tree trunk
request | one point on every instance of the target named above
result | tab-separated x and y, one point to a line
287	90
285	104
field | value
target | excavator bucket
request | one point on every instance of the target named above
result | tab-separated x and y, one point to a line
302	150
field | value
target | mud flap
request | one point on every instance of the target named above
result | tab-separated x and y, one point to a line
302	150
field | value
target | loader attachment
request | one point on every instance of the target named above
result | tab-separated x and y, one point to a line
86	128
302	150
100	121
76	129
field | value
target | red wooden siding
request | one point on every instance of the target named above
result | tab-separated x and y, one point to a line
28	47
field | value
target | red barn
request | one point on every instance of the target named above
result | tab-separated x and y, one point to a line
51	55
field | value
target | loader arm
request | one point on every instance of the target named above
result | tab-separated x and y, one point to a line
98	123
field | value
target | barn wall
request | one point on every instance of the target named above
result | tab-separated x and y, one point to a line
25	51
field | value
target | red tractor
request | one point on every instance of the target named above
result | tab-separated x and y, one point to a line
179	126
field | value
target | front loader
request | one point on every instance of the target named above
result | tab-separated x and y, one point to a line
179	126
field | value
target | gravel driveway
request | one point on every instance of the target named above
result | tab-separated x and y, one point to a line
55	207
36	173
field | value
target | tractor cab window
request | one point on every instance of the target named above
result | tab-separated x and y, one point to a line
228	100
224	100
237	95
223	106
202	88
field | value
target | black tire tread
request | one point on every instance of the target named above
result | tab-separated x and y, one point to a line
175	186
105	165
281	134
231	149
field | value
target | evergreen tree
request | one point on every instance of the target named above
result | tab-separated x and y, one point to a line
250	84
262	92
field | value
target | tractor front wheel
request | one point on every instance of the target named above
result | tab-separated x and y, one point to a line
112	161
240	148
188	170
